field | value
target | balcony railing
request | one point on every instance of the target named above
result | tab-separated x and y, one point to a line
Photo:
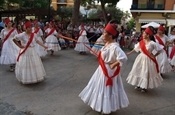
147	7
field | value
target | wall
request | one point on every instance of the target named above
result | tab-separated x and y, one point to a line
169	4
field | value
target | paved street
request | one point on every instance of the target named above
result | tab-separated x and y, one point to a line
67	74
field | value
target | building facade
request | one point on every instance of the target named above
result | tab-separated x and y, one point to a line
61	3
160	11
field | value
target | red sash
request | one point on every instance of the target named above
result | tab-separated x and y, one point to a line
146	52
105	72
161	42
172	52
28	44
51	31
81	33
36	31
7	36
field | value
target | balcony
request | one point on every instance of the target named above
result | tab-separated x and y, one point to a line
147	7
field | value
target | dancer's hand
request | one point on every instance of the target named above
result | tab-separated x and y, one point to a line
45	47
112	65
128	53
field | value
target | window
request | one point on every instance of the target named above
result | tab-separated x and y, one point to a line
159	4
142	4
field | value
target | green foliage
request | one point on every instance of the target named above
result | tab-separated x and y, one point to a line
2	2
115	13
131	23
26	3
35	3
65	12
14	1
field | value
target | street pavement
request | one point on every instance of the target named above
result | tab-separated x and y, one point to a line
67	74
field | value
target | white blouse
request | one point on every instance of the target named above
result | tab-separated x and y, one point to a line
113	53
5	31
49	29
24	38
152	47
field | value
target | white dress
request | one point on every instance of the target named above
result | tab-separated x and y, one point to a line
82	43
9	50
96	94
172	62
39	49
29	68
52	41
162	58
172	37
143	73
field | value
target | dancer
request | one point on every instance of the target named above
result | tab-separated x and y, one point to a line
39	49
172	56
162	59
9	49
51	39
29	68
145	71
170	45
105	92
82	42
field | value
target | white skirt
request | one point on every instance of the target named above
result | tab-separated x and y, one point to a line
29	68
172	62
102	98
82	44
9	52
144	73
163	62
52	43
39	49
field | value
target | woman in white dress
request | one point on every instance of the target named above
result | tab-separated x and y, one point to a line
9	49
162	59
145	71
172	38
172	56
51	39
82	44
39	49
105	92
29	68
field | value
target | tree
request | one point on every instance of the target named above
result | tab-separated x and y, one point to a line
76	12
25	3
35	3
65	12
111	3
115	14
131	23
2	3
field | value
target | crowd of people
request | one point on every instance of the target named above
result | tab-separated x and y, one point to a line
23	46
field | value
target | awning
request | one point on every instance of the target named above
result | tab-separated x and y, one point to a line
153	24
170	22
160	21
